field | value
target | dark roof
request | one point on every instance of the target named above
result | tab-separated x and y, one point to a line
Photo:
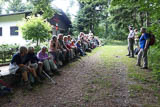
59	12
66	19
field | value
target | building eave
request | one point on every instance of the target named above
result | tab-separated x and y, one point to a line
17	13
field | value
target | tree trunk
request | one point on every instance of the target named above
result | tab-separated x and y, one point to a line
147	19
37	41
141	19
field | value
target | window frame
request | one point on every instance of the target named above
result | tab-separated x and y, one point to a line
14	33
1	30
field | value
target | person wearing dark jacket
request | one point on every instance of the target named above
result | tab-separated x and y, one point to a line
17	65
33	62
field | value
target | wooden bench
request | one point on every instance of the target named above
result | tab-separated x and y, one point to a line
7	77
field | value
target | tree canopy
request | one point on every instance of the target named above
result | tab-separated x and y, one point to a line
36	29
36	6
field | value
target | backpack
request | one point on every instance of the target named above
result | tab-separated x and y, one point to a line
136	50
152	39
4	88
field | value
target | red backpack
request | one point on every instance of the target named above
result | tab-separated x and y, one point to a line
152	39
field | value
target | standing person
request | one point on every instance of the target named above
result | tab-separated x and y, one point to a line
131	43
144	45
136	38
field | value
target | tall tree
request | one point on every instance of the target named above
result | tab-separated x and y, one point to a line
90	15
43	6
16	6
2	2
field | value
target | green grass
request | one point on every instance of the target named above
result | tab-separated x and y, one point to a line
145	80
114	57
94	51
136	88
115	42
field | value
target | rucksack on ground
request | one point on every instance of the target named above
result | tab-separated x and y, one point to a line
136	50
4	88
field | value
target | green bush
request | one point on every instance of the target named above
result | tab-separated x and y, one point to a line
38	48
7	47
36	29
154	61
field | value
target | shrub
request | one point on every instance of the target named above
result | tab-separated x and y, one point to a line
7	47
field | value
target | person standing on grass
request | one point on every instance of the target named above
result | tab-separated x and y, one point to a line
131	43
144	45
136	38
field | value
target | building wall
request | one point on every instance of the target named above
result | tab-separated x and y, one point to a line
13	20
6	22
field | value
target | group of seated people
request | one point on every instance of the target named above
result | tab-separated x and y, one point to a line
62	49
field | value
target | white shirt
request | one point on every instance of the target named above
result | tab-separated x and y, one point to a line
131	34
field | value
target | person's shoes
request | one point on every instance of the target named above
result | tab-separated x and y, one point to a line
138	65
57	72
50	74
27	85
42	77
128	55
144	68
78	57
131	56
37	80
60	63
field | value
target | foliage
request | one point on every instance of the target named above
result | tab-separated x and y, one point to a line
7	47
90	15
17	6
43	6
36	6
36	29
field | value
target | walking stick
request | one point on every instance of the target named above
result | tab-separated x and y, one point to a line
0	73
49	77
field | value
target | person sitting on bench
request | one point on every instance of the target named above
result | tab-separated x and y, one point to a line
49	65
17	65
33	62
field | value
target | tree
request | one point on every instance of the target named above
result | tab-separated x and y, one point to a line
2	2
36	6
43	6
18	6
36	29
90	15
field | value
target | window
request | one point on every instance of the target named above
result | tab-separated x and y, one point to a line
0	31
13	30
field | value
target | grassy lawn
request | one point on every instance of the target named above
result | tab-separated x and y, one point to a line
143	84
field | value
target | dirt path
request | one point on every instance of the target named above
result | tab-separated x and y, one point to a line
84	83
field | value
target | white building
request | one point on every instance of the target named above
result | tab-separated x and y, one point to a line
9	31
9	28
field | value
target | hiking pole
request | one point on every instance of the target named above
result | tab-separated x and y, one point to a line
0	73
49	77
